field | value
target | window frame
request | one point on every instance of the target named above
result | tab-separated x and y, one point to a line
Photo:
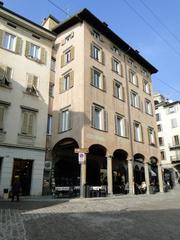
138	137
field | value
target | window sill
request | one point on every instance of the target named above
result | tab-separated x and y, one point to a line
147	93
138	108
138	141
65	64
136	85
151	115
63	131
97	60
103	90
153	145
27	140
122	100
31	94
126	137
26	136
101	130
119	74
35	60
9	50
5	86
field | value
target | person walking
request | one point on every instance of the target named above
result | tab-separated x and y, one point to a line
16	188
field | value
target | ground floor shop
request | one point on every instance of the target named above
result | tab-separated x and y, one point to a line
24	163
101	173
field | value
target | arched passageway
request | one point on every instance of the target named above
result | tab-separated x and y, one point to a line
120	171
66	166
96	167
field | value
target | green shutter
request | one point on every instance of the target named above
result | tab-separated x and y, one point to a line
123	93
105	121
8	73
62	60
30	124
43	56
104	82
30	79
35	81
18	49
27	51
1	37
69	120
92	76
102	57
24	123
121	70
61	85
71	75
92	52
72	53
2	72
1	117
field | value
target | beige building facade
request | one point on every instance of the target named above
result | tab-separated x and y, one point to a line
25	50
102	102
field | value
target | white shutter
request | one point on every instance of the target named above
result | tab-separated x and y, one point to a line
30	79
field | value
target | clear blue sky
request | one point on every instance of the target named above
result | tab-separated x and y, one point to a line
159	44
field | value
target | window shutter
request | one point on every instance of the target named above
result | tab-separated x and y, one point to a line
149	137
1	117
62	60
60	122
92	76
104	82
24	123
2	72
27	51
8	73
141	133
43	56
139	102
116	123
114	88
112	62
30	79
137	83
121	70
61	83
35	81
72	53
92	52
69	120
71	79
105	121
126	128
102	57
93	116
30	124
18	49
123	93
1	37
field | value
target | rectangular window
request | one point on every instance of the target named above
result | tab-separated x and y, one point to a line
135	100
174	123
159	127
116	66
97	35
118	90
99	118
133	78
9	41
172	109
35	52
120	125
176	140
32	84
49	125
65	120
67	56
148	107
5	76
97	79
66	82
28	122
97	53
158	117
152	136
146	87
162	155
138	133
161	141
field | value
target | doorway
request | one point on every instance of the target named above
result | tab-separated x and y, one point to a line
23	169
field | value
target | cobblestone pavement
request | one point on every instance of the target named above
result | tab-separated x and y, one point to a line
155	217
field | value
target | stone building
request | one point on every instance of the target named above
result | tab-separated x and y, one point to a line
25	59
103	103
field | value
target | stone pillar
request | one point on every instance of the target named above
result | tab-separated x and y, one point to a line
146	171
83	180
130	176
109	175
160	178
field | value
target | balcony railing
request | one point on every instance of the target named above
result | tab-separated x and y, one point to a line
174	145
175	158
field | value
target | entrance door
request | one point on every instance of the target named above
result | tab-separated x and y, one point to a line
23	169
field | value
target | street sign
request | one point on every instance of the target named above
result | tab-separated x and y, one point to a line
82	157
81	150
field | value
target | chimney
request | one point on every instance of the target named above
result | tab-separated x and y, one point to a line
1	3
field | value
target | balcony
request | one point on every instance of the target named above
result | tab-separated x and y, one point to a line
175	159
174	146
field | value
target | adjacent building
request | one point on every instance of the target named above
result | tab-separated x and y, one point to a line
25	60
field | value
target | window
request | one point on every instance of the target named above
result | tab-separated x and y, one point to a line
146	87
65	120
174	123
96	35
135	100
28	122
118	90
5	76
51	89
138	134
148	107
97	79
35	53
116	66
120	125
176	140
32	84
66	82
9	41
49	125
133	78
99	118
97	53
53	64
67	56
162	155
172	109
161	141
158	118
152	136
159	127
115	50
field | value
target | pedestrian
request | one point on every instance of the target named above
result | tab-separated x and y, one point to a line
16	188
